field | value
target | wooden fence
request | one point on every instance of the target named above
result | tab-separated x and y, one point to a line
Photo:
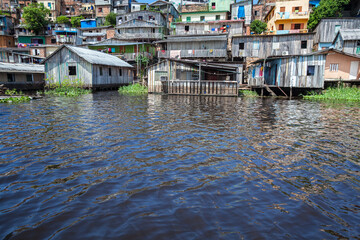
207	88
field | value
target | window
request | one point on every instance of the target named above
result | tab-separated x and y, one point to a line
310	71
334	67
29	77
256	45
296	9
109	71
282	9
188	19
187	28
297	26
217	17
358	43
202	18
281	26
120	72
100	10
72	70
101	73
53	40
256	13
213	5
241	46
303	44
10	77
140	17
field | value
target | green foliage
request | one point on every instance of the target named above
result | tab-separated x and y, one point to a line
110	19
69	88
4	13
326	9
341	93
134	89
62	19
35	16
248	93
15	99
258	26
75	21
10	92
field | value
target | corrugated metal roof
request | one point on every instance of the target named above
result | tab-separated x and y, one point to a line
93	34
96	57
21	67
350	34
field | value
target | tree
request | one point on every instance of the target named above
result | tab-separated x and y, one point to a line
35	16
326	8
62	19
258	26
110	19
75	21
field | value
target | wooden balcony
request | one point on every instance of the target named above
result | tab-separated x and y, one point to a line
155	36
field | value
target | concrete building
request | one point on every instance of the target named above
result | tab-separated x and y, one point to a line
288	17
93	68
102	9
54	6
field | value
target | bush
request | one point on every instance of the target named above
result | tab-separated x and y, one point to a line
69	88
258	26
248	93
62	19
15	99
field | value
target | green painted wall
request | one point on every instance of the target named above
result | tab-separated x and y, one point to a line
220	5
126	49
27	39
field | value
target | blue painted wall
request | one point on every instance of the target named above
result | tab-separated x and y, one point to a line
88	23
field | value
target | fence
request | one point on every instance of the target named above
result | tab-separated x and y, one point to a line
207	88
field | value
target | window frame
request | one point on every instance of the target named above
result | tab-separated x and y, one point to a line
72	70
304	42
310	73
31	76
334	67
241	46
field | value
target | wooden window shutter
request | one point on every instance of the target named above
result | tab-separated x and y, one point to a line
300	9
292	26
302	26
293	9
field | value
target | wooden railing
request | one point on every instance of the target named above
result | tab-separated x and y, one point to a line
204	53
207	88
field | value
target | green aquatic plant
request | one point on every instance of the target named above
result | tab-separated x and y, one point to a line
133	89
341	93
13	92
15	99
67	87
248	93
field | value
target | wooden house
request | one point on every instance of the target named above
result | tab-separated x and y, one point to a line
297	71
242	11
18	55
147	16
327	29
263	46
126	50
93	68
348	41
140	30
185	77
231	27
167	8
342	66
209	47
22	76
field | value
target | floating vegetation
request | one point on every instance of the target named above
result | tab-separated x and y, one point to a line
248	93
341	93
15	99
134	89
68	88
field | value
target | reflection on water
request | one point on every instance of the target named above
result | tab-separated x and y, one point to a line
106	166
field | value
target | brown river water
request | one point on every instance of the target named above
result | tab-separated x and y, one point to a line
107	166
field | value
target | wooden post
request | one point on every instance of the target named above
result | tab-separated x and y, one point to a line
290	93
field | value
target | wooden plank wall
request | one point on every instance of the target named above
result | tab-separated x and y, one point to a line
325	31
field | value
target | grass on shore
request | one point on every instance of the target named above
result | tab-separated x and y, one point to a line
134	89
342	93
248	93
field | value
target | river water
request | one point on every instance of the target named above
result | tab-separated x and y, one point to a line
106	166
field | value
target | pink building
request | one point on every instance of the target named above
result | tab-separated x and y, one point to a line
340	65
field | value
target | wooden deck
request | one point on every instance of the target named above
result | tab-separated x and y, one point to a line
205	88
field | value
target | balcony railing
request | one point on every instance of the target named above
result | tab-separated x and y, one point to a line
291	15
290	31
140	36
204	53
